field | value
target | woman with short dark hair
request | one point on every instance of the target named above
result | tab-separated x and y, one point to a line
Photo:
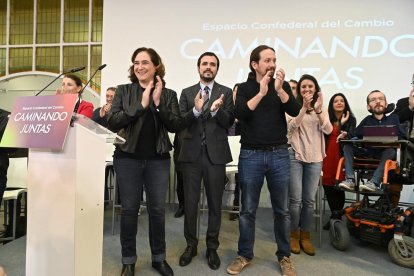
143	112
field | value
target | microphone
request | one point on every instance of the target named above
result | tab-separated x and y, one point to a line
102	67
64	73
77	69
93	75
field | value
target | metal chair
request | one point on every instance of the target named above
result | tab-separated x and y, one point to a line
12	195
16	187
318	212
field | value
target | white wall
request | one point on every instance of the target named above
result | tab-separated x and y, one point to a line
352	46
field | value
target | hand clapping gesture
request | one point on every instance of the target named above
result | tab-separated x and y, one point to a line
344	118
104	110
264	83
319	103
280	77
156	95
307	99
217	103
199	101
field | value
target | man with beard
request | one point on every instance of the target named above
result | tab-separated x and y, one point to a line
100	115
261	104
405	107
204	153
376	104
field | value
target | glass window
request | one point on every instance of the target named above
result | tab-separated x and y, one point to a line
21	22
3	18
97	15
75	56
46	40
20	60
48	21
47	59
2	62
96	61
76	14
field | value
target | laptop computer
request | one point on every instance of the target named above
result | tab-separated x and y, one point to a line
386	133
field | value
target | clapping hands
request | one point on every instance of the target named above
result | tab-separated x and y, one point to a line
217	103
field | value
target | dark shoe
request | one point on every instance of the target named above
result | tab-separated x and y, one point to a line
128	270
188	255
163	268
213	259
233	216
180	212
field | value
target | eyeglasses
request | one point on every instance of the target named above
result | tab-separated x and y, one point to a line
374	100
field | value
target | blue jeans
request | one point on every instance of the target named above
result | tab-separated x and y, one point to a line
304	179
131	176
383	154
254	165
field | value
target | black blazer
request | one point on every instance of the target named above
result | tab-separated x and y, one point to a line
127	117
403	111
215	127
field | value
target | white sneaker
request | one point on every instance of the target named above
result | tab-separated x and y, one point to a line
237	265
347	184
286	266
369	187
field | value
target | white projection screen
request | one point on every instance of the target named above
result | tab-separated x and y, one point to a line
352	46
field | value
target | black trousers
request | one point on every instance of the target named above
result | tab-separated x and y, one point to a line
212	176
4	165
336	198
180	188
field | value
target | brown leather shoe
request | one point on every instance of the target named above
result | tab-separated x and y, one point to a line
294	242
306	244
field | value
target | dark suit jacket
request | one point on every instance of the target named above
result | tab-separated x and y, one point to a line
215	127
97	118
403	111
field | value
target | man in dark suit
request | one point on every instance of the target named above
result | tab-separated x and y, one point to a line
100	114
405	112
204	153
405	107
179	174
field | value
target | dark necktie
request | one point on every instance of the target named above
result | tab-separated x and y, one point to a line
207	92
204	115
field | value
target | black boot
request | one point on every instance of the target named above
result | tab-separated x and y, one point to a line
128	270
163	268
180	212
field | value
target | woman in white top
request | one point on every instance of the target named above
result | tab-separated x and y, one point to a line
306	136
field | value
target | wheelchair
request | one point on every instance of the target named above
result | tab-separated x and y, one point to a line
378	221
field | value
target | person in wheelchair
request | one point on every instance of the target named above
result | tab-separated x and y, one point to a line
377	105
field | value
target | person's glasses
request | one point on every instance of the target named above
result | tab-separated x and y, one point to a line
374	100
